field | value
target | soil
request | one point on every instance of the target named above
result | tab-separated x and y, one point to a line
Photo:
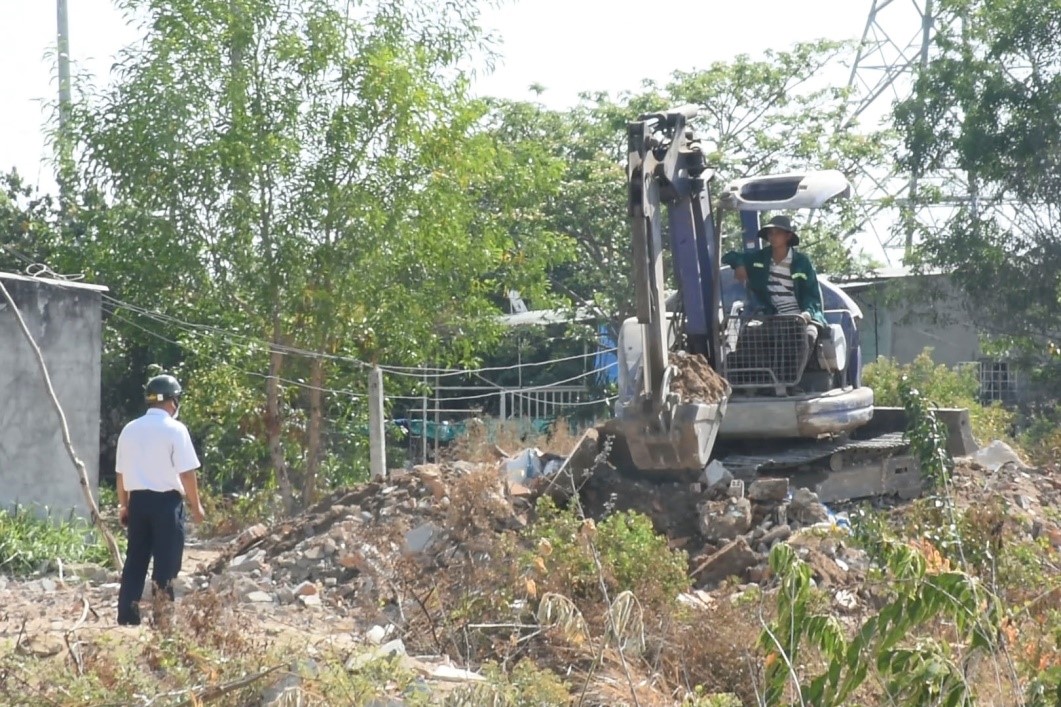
695	381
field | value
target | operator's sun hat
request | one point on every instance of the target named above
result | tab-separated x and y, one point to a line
782	222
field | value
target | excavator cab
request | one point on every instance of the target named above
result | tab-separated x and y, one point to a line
784	387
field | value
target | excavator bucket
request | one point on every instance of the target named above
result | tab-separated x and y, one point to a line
680	439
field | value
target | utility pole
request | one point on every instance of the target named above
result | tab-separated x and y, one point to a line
63	53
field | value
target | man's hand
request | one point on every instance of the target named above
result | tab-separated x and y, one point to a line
198	516
123	516
741	273
806	316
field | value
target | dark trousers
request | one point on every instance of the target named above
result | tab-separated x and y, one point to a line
156	531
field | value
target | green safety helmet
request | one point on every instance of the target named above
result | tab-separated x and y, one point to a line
163	387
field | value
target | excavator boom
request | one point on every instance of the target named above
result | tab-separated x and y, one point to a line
666	170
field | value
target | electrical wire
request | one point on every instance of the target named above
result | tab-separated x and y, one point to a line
407	371
462	398
112	305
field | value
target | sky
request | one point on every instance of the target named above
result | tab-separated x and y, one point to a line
567	46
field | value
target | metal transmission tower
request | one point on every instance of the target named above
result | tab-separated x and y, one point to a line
895	45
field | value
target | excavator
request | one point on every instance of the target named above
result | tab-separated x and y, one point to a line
784	407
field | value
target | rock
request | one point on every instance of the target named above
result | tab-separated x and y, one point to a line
249	536
48	585
776	535
42	645
91	572
259	597
420	538
768	490
310	600
430	476
846	599
996	455
715	474
306	589
725	520
760	574
733	560
806	509
584	456
824	568
377	634
359	660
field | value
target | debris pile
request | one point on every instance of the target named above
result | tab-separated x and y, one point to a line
346	550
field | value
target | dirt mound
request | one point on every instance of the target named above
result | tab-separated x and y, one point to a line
695	380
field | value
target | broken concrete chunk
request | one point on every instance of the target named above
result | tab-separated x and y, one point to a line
733	560
806	509
768	490
715	474
420	538
725	520
260	597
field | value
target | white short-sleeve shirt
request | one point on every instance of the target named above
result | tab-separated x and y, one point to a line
153	451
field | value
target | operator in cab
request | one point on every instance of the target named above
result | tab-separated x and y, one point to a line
781	277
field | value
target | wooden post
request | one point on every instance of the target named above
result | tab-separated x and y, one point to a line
377	439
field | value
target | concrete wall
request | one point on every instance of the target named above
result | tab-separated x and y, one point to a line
903	316
65	320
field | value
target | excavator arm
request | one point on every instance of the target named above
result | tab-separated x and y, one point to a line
667	171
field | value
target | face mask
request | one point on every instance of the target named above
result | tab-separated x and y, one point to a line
177	411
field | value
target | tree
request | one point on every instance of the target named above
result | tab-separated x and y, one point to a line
982	126
757	116
305	180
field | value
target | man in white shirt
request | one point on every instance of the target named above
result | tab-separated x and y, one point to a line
156	470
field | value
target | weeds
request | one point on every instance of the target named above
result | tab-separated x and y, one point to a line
914	670
30	543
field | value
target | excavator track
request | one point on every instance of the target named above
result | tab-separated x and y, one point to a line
839	469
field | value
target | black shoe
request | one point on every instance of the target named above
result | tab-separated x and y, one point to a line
131	618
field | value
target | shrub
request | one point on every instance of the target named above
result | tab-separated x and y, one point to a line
956	387
631	555
28	542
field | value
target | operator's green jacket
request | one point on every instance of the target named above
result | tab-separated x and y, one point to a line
808	293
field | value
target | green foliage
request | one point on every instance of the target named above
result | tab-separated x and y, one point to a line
926	434
956	387
29	543
632	555
524	685
797	130
912	671
985	108
288	192
946	387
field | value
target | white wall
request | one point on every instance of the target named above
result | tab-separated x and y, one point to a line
35	469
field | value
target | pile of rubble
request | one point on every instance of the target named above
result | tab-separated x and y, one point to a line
345	551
